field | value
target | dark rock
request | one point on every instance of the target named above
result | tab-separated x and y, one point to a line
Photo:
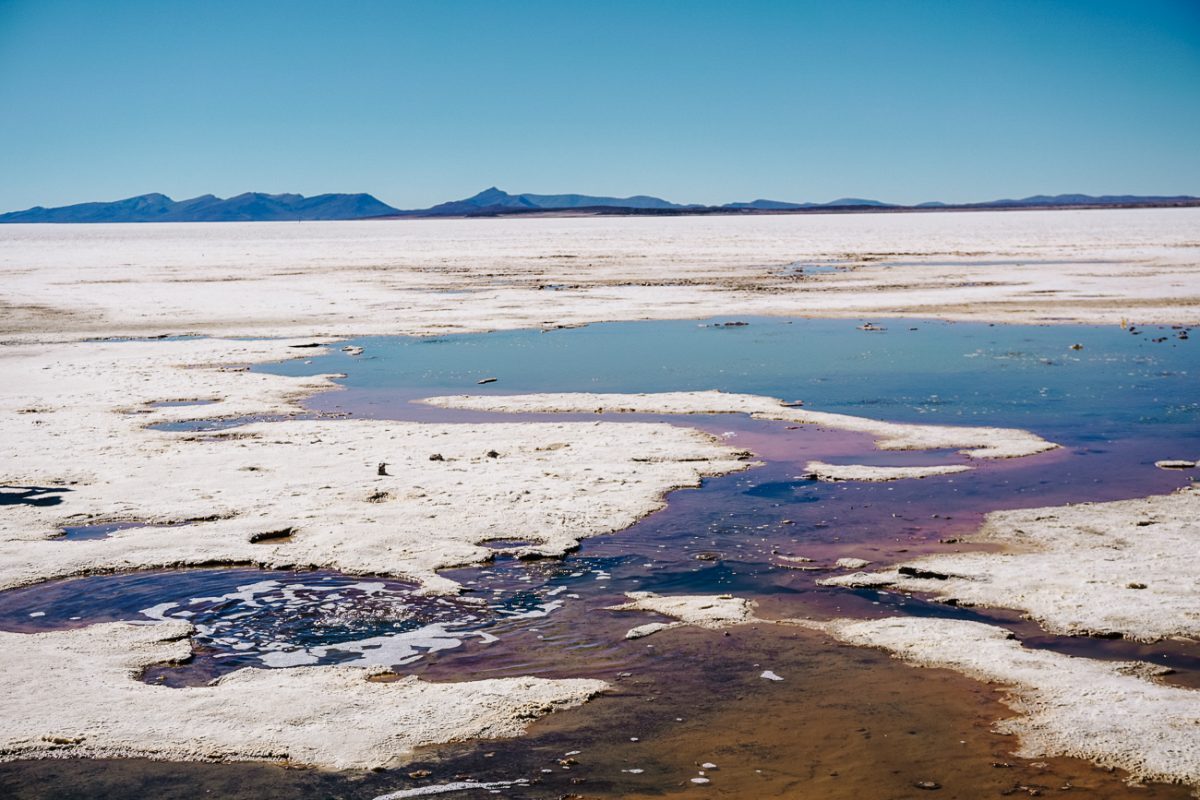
914	572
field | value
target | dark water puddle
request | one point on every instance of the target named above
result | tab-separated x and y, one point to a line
218	424
508	544
162	337
83	532
266	618
77	533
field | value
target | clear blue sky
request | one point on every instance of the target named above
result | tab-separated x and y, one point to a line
695	101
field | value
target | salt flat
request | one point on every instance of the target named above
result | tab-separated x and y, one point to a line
75	410
436	276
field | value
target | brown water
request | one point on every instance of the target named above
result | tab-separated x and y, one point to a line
843	723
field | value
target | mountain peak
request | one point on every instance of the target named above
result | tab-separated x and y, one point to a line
245	207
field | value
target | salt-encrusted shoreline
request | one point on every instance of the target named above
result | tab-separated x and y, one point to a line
975	442
68	694
871	474
1114	714
1128	567
302	493
701	611
362	496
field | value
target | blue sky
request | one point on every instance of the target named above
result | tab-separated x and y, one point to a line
419	102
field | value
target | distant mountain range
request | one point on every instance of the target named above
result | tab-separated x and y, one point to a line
258	207
248	207
495	202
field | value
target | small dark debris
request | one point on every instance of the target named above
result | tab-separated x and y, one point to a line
929	785
914	572
1135	585
437	457
272	536
486	380
492	454
382	469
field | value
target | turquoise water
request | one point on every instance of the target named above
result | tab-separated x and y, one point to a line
1120	384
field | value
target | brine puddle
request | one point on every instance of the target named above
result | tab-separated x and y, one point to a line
264	618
